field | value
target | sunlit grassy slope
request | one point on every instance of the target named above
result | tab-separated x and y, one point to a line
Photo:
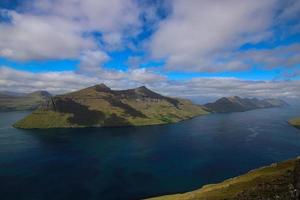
278	181
100	106
45	119
295	122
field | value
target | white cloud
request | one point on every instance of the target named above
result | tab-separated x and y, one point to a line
291	10
92	61
194	37
58	82
142	75
31	37
282	56
91	64
198	30
198	89
97	15
52	29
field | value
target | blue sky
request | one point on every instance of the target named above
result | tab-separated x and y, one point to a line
155	43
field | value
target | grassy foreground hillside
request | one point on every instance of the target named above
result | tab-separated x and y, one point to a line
279	181
295	122
99	106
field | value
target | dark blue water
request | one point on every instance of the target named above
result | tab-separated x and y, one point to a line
139	162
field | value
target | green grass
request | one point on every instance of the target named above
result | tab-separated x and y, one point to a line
251	181
44	119
29	102
155	115
19	104
150	113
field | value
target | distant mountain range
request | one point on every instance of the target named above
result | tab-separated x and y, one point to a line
10	101
238	104
99	106
278	181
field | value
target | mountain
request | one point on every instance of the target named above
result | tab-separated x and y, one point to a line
295	122
99	106
238	104
10	93
10	101
278	181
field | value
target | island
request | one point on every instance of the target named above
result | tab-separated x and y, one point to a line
14	101
295	122
100	106
278	181
238	104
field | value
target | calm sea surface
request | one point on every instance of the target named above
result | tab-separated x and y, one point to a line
138	162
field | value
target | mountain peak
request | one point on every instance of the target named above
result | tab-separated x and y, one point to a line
142	88
41	93
101	87
226	99
233	97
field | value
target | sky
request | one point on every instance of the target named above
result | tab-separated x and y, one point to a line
196	49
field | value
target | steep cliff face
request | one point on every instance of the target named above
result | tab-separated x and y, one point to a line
276	182
100	106
238	104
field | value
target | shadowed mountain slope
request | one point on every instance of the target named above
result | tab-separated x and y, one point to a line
100	106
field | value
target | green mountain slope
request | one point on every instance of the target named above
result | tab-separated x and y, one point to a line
295	122
10	101
100	106
238	104
278	181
